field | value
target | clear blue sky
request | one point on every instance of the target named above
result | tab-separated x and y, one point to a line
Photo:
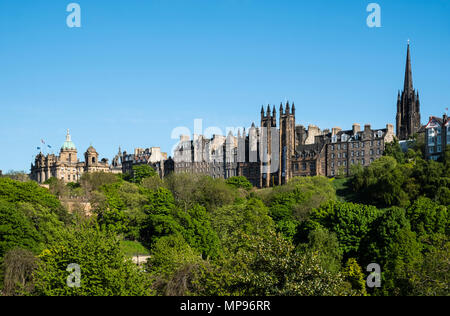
137	69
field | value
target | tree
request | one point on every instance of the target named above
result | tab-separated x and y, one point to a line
382	182
16	231
140	172
271	267
240	183
105	270
18	266
428	217
350	222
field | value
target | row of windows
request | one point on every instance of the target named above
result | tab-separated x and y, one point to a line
354	145
356	153
69	178
353	161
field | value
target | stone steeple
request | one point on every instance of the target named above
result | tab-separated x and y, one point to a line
408	105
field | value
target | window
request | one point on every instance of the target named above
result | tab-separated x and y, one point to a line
439	139
339	155
345	163
334	139
380	134
371	143
345	146
362	153
332	156
439	149
339	147
332	147
431	150
304	166
363	161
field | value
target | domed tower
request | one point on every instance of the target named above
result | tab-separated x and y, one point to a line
68	153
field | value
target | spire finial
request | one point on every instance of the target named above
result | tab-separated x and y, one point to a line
68	136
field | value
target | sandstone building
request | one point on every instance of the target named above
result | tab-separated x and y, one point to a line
67	166
269	155
151	156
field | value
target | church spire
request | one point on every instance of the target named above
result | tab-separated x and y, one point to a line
408	73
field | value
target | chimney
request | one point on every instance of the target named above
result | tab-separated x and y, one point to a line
356	128
367	128
184	138
335	130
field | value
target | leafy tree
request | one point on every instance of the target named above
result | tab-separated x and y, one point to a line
353	274
240	182
16	231
250	217
270	267
428	217
381	183
431	277
140	172
350	222
325	246
169	254
18	267
30	192
105	271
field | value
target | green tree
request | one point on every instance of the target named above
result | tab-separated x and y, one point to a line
105	270
382	182
240	182
140	172
16	230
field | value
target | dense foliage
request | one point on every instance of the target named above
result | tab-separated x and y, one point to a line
205	236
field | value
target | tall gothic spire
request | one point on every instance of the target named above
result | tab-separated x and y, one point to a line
408	73
408	105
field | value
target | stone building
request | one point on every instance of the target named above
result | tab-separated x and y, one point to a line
352	147
150	156
408	106
437	137
67	166
271	155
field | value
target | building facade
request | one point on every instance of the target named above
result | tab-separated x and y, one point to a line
279	150
149	156
437	137
67	166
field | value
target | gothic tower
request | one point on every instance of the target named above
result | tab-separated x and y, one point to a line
287	143
268	126
408	105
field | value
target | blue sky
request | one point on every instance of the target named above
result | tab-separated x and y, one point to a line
137	69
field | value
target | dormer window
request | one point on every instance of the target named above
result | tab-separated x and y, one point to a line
380	134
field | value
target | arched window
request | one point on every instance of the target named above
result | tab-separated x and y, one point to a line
93	159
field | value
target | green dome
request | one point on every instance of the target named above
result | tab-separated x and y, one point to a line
68	144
